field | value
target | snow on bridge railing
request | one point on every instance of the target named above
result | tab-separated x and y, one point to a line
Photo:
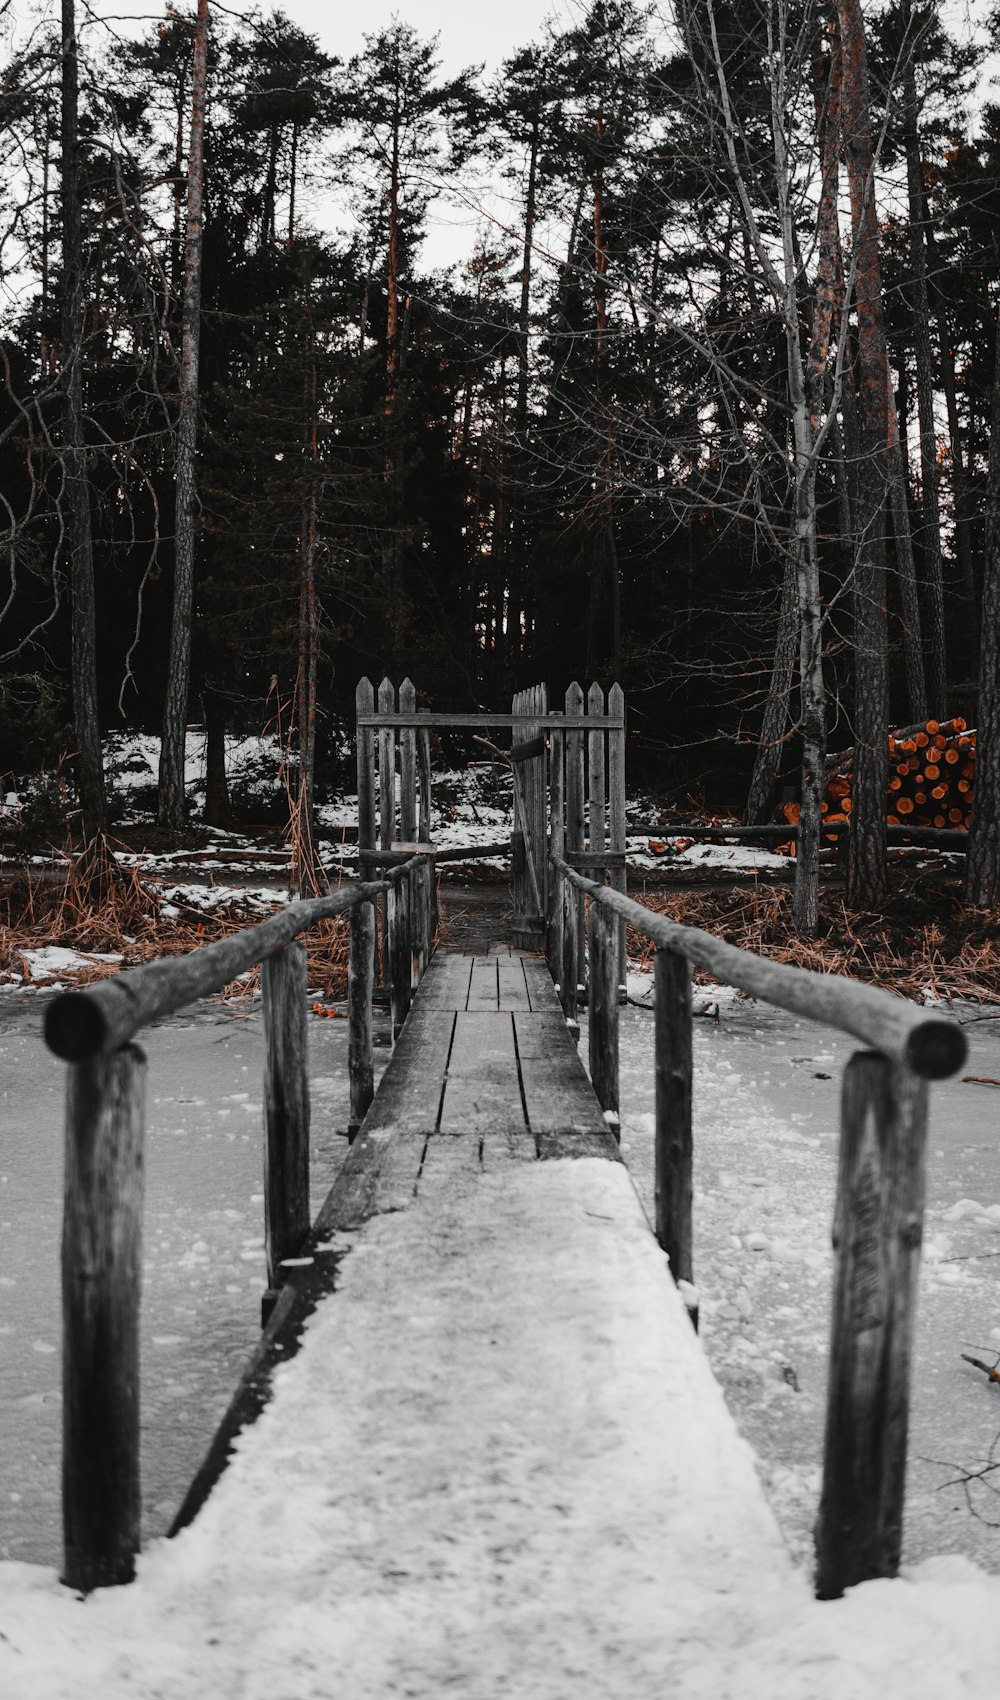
92	1029
878	1215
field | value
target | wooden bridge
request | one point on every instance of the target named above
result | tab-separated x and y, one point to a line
499	1409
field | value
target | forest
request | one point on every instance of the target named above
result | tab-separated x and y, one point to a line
706	411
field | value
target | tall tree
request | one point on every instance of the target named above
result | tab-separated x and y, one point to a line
175	708
86	725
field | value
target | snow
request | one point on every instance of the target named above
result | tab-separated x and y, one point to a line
52	959
499	1466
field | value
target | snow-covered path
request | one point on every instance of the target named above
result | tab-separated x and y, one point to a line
499	1466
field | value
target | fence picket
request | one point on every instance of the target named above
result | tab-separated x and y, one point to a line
575	792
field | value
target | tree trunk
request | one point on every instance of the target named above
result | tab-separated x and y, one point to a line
777	709
930	537
982	863
86	726
867	870
171	812
306	869
913	655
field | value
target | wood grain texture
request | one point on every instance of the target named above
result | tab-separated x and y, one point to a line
877	1233
512	991
483	984
284	985
602	1016
101	1294
445	984
483	1089
407	765
360	985
673	1138
542	994
616	816
409	1096
364	699
558	1097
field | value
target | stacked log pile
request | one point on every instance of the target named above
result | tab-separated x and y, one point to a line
932	769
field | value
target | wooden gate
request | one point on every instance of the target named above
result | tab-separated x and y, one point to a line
568	773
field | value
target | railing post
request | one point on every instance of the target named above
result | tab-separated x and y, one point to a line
101	1290
360	983
557	846
674	1145
570	954
399	951
284	979
877	1230
602	1021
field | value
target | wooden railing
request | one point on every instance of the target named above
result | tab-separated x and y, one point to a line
93	1030
878	1215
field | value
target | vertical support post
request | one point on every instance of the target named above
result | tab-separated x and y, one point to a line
364	700
424	835
101	1290
386	804
595	783
407	765
616	820
574	830
399	951
602	1020
360	984
538	793
674	1144
877	1230
283	984
571	953
557	844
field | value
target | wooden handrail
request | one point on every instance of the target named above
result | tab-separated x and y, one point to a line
932	1045
878	1221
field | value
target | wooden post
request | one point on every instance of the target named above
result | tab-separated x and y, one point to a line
595	782
399	952
386	806
407	765
574	829
602	1018
557	841
570	957
364	699
424	835
101	1290
877	1229
284	982
674	1146
360	983
616	821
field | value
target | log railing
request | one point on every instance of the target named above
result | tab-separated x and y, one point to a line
878	1216
93	1030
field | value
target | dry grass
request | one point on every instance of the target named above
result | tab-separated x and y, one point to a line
922	943
93	905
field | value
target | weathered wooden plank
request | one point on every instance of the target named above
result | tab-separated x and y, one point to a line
562	1144
542	994
616	817
557	846
399	1172
557	1094
360	984
430	721
483	984
877	1231
445	985
499	1147
101	1292
447	1163
409	1094
364	698
407	764
575	793
387	815
602	1008
483	1091
284	985
512	990
674	1145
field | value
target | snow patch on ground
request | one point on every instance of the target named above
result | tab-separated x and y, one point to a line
55	959
604	1539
